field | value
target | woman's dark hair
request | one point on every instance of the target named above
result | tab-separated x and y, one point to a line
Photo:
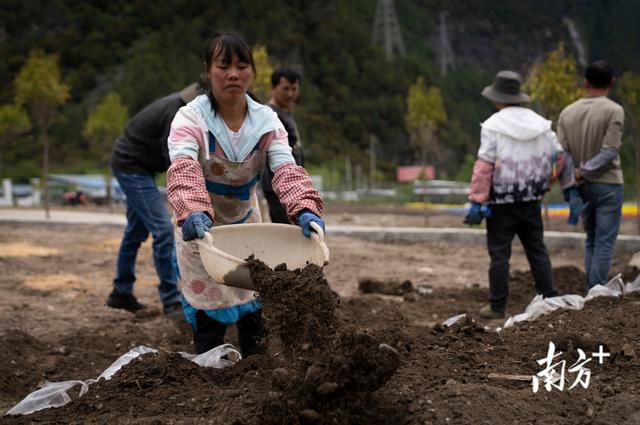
224	45
599	74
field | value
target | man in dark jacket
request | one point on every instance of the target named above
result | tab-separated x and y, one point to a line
138	154
285	88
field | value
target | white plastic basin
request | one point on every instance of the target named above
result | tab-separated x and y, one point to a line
224	249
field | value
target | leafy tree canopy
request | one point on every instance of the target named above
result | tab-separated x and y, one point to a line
553	83
38	86
262	82
425	112
13	120
424	106
349	91
629	91
105	124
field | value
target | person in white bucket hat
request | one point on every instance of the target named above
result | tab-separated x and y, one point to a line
515	167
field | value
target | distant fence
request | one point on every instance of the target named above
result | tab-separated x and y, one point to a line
433	191
441	191
20	195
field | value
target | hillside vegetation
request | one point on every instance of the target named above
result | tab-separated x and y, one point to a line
144	50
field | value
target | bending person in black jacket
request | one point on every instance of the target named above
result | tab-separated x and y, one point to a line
138	154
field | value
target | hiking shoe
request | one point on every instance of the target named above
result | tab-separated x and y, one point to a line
486	312
173	311
124	301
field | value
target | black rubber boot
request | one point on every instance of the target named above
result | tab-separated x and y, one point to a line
124	301
250	333
207	333
487	312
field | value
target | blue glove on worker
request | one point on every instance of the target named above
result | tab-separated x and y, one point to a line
576	205
305	218
477	213
195	226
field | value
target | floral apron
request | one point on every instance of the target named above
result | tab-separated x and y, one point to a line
232	188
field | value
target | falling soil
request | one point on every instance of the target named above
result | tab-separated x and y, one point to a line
366	359
299	307
328	369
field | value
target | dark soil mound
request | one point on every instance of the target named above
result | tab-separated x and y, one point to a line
317	370
426	374
21	362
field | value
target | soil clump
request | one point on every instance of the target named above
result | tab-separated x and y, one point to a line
371	285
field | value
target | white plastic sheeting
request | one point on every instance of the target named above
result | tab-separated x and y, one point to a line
540	306
219	357
54	394
453	319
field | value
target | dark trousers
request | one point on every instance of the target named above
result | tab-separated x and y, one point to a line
276	211
209	333
525	220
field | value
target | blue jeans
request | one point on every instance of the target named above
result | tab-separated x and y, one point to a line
146	213
601	220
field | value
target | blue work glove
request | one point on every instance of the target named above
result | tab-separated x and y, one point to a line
304	220
195	226
576	206
477	212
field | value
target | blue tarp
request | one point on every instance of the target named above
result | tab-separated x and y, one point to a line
91	181
92	185
19	190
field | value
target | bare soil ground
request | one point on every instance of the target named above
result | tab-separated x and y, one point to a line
54	326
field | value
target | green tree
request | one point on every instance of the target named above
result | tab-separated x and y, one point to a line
39	89
553	83
14	123
465	171
262	80
102	127
629	91
425	112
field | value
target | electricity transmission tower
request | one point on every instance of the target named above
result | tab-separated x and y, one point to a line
386	29
446	52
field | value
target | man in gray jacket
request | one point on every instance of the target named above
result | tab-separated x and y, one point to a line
590	129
